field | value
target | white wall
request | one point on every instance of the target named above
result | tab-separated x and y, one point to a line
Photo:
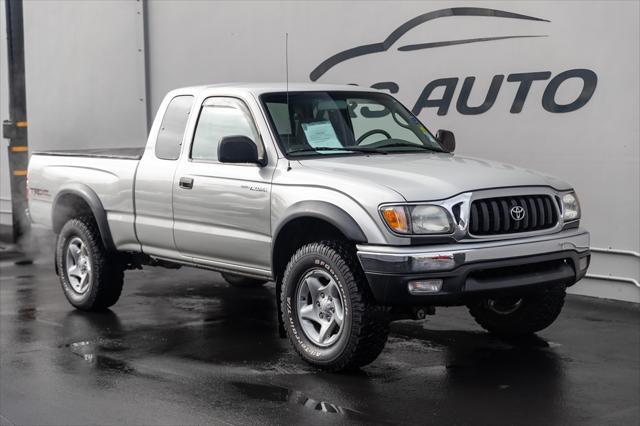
85	79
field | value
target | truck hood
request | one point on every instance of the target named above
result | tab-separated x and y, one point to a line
431	176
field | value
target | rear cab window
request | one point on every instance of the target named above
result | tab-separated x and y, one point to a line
173	126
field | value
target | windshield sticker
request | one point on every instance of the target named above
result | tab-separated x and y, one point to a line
321	134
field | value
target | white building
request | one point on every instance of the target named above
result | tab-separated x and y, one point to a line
552	86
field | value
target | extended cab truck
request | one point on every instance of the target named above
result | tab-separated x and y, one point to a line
339	194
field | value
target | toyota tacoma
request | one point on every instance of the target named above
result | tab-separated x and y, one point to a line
338	194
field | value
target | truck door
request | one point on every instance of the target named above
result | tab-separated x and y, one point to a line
154	180
221	210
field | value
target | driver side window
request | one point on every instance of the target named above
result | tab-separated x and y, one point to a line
221	117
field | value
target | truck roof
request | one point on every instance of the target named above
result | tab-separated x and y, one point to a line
260	88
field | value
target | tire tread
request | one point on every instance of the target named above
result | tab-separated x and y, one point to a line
538	312
107	270
370	322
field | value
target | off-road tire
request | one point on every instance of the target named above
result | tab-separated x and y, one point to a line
366	324
240	281
536	312
107	272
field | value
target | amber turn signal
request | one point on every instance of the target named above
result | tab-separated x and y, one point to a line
396	218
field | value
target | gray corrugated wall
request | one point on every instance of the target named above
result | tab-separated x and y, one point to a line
5	191
595	147
86	76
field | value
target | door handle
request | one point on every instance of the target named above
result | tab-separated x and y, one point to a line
186	183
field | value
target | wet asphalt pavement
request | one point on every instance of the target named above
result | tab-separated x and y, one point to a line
182	347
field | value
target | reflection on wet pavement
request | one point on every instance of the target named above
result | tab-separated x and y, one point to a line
281	394
181	347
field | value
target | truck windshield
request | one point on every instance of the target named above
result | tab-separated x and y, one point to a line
345	123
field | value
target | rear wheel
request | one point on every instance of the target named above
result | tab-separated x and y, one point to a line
240	281
91	279
517	316
327	311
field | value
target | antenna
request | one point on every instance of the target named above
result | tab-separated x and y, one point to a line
286	66
286	63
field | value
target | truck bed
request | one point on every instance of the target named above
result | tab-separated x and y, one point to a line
118	153
107	173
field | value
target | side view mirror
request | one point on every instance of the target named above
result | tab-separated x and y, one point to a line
447	140
238	149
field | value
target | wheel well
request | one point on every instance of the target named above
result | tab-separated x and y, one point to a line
291	237
67	207
297	233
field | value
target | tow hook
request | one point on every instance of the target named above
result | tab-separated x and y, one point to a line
421	312
412	313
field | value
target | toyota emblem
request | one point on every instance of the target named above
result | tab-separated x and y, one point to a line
518	213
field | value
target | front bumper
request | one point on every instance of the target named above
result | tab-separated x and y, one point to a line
467	269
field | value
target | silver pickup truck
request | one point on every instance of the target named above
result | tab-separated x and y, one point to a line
338	194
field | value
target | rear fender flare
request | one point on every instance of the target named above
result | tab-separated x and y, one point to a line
93	201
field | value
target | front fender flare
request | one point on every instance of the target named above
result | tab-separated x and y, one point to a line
325	211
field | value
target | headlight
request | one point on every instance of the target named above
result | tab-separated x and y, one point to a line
430	220
570	207
424	219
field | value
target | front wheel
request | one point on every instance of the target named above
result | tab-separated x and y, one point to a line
327	311
518	316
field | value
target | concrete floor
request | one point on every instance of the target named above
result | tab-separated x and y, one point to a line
181	347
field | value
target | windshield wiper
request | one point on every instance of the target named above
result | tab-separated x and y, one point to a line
408	145
333	148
